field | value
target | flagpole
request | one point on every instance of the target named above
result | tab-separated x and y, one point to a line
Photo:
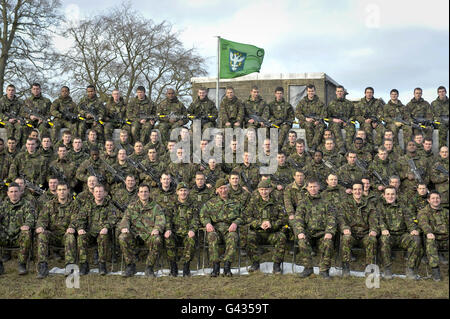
218	72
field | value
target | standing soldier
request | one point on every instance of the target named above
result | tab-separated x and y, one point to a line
433	220
181	226
419	108
16	222
172	114
294	193
204	109
231	111
65	113
341	112
37	109
383	167
143	223
398	230
281	114
440	110
368	112
142	112
311	105
92	109
439	175
393	110
115	114
314	224
255	105
11	104
221	217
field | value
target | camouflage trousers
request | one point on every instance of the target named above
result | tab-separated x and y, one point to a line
443	134
165	129
58	124
379	133
84	242
21	240
183	240
369	243
140	132
255	238
109	129
407	133
325	247
282	133
349	133
313	133
215	238
129	245
83	127
432	246
15	130
58	239
411	243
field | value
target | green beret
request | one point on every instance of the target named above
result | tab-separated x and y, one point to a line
220	182
181	185
265	184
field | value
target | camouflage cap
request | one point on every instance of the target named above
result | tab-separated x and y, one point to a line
182	185
220	182
265	184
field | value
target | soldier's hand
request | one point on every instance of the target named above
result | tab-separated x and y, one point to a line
372	233
415	233
142	121
81	232
209	228
191	234
328	236
430	236
39	230
262	124
348	191
251	121
232	228
152	122
155	232
347	232
208	185
167	233
12	120
70	231
380	188
367	121
308	119
237	124
25	228
104	231
227	124
33	118
124	230
398	124
337	121
301	236
385	232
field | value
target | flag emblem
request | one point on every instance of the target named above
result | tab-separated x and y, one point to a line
237	60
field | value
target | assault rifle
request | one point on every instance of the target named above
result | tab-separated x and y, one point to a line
211	179
147	171
441	169
17	117
92	112
412	124
280	180
72	116
92	172
119	121
417	172
204	119
117	174
122	208
378	176
31	186
363	165
294	164
246	182
344	119
30	112
259	119
318	118
57	173
443	120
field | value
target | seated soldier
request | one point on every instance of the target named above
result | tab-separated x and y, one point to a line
143	223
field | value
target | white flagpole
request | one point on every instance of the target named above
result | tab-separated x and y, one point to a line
218	72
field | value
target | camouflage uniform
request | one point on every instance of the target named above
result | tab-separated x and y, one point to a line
109	158
397	219
341	108
203	108
293	194
289	149
157	168
251	172
281	114
349	173
390	112
314	107
364	153
140	220
99	109
83	172
12	217
440	180
319	171
231	110
59	109
113	111
32	166
40	105
334	158
440	108
420	108
407	185
314	218
334	195
366	109
434	221
165	199
385	168
185	172
258	107
360	218
126	146
13	106
199	196
171	107
302	159
136	109
221	214
77	157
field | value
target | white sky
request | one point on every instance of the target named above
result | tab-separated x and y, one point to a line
379	43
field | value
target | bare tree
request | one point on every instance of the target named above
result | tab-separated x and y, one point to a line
27	53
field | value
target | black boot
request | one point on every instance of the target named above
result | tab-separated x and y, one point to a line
388	273
254	267
345	270
306	272
216	270
6	256
84	268
436	273
186	270
102	269
130	270
276	268
43	270
227	269
95	257
173	269
325	274
149	271
2	269
22	269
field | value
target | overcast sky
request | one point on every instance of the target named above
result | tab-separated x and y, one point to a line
380	43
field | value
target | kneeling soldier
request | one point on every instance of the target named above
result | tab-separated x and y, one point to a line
143	222
398	229
266	218
315	224
181	225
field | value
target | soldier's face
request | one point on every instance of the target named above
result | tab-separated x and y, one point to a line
53	184
33	134
170	94
234	180
229	94
442	93
123	137
182	193
357	191
422	190
77	145
180	154
427	145
444	152
339	93
46	143
154	137
62	192
390	195
317	157
67	138
92	136
36	90
361	134
165	180
130	182
138	148
122	155
313	189
11	145
434	200
14	194
94	155
10	92
99	194
254	94
382	155
184	134
299	178
223	191
151	155
200	180
327	134
140	95
212	164
116	96
418	139
201	94
245	157
359	144
170	146
109	146
31	146
394	96
417	94
234	145
279	95
366	184
143	194
203	145
388	145
292	137
267	146
21	184
394	182
368	94
329	145
64	92
281	158
300	148
90	93
411	147
92	181
389	135
332	180
310	93
264	192
251	135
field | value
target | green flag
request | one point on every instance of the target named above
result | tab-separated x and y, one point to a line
238	59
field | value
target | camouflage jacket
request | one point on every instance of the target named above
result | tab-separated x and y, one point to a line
289	149
334	195
185	172
109	158
163	198
334	157
314	107
283	176
76	157
281	112
385	168
392	111
95	103
14	216
239	195
126	146
93	217
221	213
40	105
364	153
157	168
230	111
360	218
404	170
137	108
61	106
365	109
395	217
199	196
301	160
439	107
260	210
292	196
56	217
419	108
115	110
440	179
182	218
251	172
416	203
84	171
434	221
205	107
348	173
258	107
10	106
319	171
32	166
341	108
175	107
141	219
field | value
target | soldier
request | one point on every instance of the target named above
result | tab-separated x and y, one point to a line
51	228
350	172
172	114
213	172
248	171
301	157
11	148
255	105
115	114
393	110
16	222
122	168
92	141
49	194
124	142
283	175
92	166
311	105
237	192
315	224
143	223
66	139
369	194
65	113
433	220
204	109
334	193
109	155
151	163
46	150
327	134
294	193
165	194
341	112
37	109
87	195
426	153
358	224
281	114
221	217
368	112
156	143
363	152
200	193
138	152
181	225
440	109
331	155
92	109
11	104
394	151
265	219
76	153
181	170
317	169
126	195
398	230
439	176
418	201
382	167
231	111
405	167
289	147
419	108
93	223
142	112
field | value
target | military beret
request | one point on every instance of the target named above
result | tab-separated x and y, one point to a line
220	182
265	184
181	185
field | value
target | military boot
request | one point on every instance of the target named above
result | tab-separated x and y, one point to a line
186	270
325	274
95	257
84	268
6	256
2	269
227	269
216	270
130	270
149	271
276	268
436	272
173	269
345	270
410	274
307	271
42	270
387	273
254	267
102	269
22	269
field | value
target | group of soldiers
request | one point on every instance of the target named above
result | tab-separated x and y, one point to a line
84	189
